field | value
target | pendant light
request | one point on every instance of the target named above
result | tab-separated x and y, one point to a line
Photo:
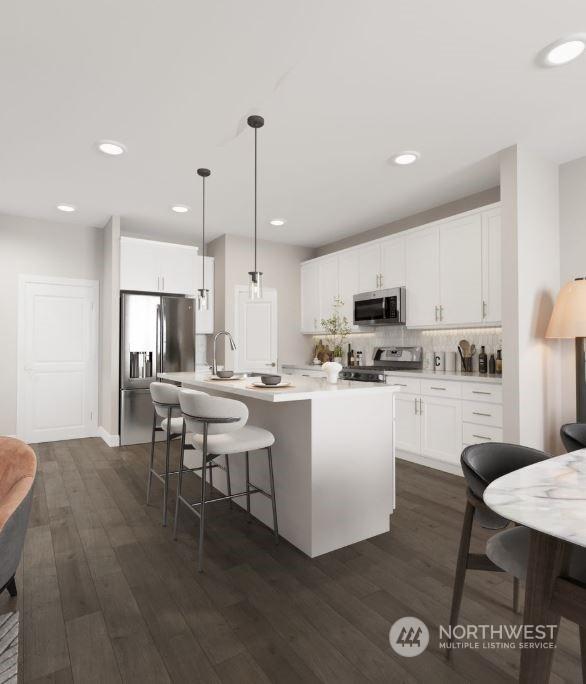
255	281
203	294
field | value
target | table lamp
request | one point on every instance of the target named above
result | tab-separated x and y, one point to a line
568	320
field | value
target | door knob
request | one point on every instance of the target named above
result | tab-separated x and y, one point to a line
270	364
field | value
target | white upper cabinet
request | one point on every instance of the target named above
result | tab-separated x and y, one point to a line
204	319
392	262
368	267
139	265
491	267
328	287
309	297
348	283
460	260
149	266
422	277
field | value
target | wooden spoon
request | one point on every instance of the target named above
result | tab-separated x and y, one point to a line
465	347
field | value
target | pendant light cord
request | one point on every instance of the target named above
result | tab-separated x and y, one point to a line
203	236
255	192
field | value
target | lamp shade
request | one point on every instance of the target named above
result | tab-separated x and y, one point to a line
568	318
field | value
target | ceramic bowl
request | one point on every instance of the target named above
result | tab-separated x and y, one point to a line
225	374
270	379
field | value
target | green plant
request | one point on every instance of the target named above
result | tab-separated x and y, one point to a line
336	328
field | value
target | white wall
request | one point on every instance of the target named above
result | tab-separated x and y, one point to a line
531	280
280	266
34	247
572	263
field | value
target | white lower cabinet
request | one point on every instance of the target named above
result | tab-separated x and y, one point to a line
441	428
436	419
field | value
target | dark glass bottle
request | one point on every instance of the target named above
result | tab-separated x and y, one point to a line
499	362
482	361
492	365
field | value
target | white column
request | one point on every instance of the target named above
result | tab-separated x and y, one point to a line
531	280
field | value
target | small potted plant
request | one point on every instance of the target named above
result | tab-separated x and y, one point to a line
336	328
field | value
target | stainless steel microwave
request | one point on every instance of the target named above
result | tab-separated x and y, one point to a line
380	307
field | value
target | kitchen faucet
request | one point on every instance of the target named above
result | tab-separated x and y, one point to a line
232	347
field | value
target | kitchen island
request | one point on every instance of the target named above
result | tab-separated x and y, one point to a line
333	456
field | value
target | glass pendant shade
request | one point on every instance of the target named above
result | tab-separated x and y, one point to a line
255	285
203	299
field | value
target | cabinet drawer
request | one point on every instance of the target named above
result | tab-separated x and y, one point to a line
477	434
482	413
441	388
411	385
482	392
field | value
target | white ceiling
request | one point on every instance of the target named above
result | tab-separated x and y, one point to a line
342	85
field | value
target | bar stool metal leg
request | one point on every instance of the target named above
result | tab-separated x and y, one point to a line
167	457
273	496
179	482
248	487
228	481
152	459
202	508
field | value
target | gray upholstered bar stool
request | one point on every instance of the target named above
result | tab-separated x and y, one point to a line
165	406
573	436
219	428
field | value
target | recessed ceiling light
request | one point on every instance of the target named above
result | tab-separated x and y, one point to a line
405	158
180	208
111	147
66	207
278	222
563	51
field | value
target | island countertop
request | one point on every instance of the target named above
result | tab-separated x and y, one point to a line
301	388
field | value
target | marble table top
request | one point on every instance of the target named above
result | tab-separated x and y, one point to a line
549	497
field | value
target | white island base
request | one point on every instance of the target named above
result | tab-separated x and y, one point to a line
333	458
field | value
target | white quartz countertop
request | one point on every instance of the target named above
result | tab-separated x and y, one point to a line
423	374
301	387
549	497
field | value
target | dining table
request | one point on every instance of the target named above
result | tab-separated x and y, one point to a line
549	498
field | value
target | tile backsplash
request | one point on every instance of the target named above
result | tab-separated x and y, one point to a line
430	340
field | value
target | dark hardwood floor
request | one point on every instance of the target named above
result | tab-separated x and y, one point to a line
105	595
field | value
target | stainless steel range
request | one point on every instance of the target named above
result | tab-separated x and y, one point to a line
386	359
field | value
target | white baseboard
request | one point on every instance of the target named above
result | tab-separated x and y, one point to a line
111	440
451	468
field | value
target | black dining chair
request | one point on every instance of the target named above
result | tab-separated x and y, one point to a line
573	436
482	464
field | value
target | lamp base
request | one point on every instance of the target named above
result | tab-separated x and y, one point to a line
580	379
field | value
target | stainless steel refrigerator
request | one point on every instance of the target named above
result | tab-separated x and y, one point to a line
157	335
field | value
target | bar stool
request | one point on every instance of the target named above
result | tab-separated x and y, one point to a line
166	406
218	427
481	464
573	436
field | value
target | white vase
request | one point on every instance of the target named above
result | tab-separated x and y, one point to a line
332	369
338	359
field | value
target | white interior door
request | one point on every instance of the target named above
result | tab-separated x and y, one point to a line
58	359
256	331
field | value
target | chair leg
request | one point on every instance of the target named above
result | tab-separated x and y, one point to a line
248	518
228	481
273	495
152	459
211	482
461	566
11	586
202	507
166	482
515	595
179	482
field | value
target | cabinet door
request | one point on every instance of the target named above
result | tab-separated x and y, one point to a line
328	287
369	268
178	268
392	262
407	422
139	265
204	319
309	298
422	277
491	266
348	283
441	428
461	271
